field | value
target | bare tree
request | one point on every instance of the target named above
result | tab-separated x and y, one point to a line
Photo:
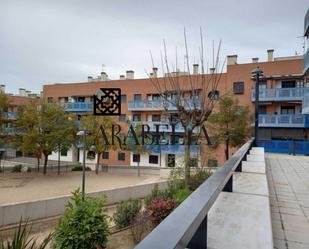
190	94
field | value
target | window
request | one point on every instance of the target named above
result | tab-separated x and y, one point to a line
156	118
123	98
153	159
287	109
81	99
137	117
105	155
155	96
238	87
213	95
137	97
64	152
122	118
171	160
50	100
136	158
121	156
262	110
263	84
288	84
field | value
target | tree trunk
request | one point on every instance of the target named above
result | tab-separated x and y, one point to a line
138	168
45	163
97	164
227	153
38	160
187	142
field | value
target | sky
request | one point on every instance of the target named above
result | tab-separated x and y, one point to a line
58	41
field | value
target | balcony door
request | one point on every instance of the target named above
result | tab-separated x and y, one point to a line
288	110
288	84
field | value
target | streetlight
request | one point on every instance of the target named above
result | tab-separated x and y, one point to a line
83	133
256	74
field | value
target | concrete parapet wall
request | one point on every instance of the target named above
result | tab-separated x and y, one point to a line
41	209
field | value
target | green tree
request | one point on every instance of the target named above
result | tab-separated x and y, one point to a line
43	127
231	124
95	140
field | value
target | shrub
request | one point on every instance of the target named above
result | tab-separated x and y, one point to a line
160	209
126	212
17	168
198	178
156	193
176	181
141	225
80	168
193	162
22	240
181	195
84	225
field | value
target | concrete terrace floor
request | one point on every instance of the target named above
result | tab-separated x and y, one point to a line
288	178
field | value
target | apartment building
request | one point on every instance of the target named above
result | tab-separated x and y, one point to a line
306	62
282	91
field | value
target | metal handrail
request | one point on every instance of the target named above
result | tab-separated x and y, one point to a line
186	226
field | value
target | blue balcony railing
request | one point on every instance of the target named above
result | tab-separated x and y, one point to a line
164	127
78	107
281	94
177	149
285	146
305	104
288	121
153	105
9	115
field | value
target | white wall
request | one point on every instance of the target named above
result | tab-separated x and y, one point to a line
68	158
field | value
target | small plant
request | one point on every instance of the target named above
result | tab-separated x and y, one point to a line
176	180
193	162
181	195
22	240
157	193
84	225
17	168
80	168
126	212
141	225
198	178
160	209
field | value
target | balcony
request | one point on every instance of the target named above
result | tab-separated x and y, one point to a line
305	107
288	121
9	115
281	94
78	107
164	127
159	105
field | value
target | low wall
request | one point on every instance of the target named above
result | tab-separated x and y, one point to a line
44	208
133	170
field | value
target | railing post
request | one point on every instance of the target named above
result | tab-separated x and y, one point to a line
229	185
199	239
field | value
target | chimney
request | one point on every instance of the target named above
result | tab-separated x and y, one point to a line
122	77
154	72
212	70
195	68
130	74
255	60
104	76
270	54
22	91
90	78
232	59
2	88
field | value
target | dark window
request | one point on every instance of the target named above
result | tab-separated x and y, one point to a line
238	87
171	160
121	156
287	109
105	155
137	97
136	158
50	100
64	152
153	159
123	98
262	110
156	118
137	117
213	95
155	96
81	99
288	84
122	118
